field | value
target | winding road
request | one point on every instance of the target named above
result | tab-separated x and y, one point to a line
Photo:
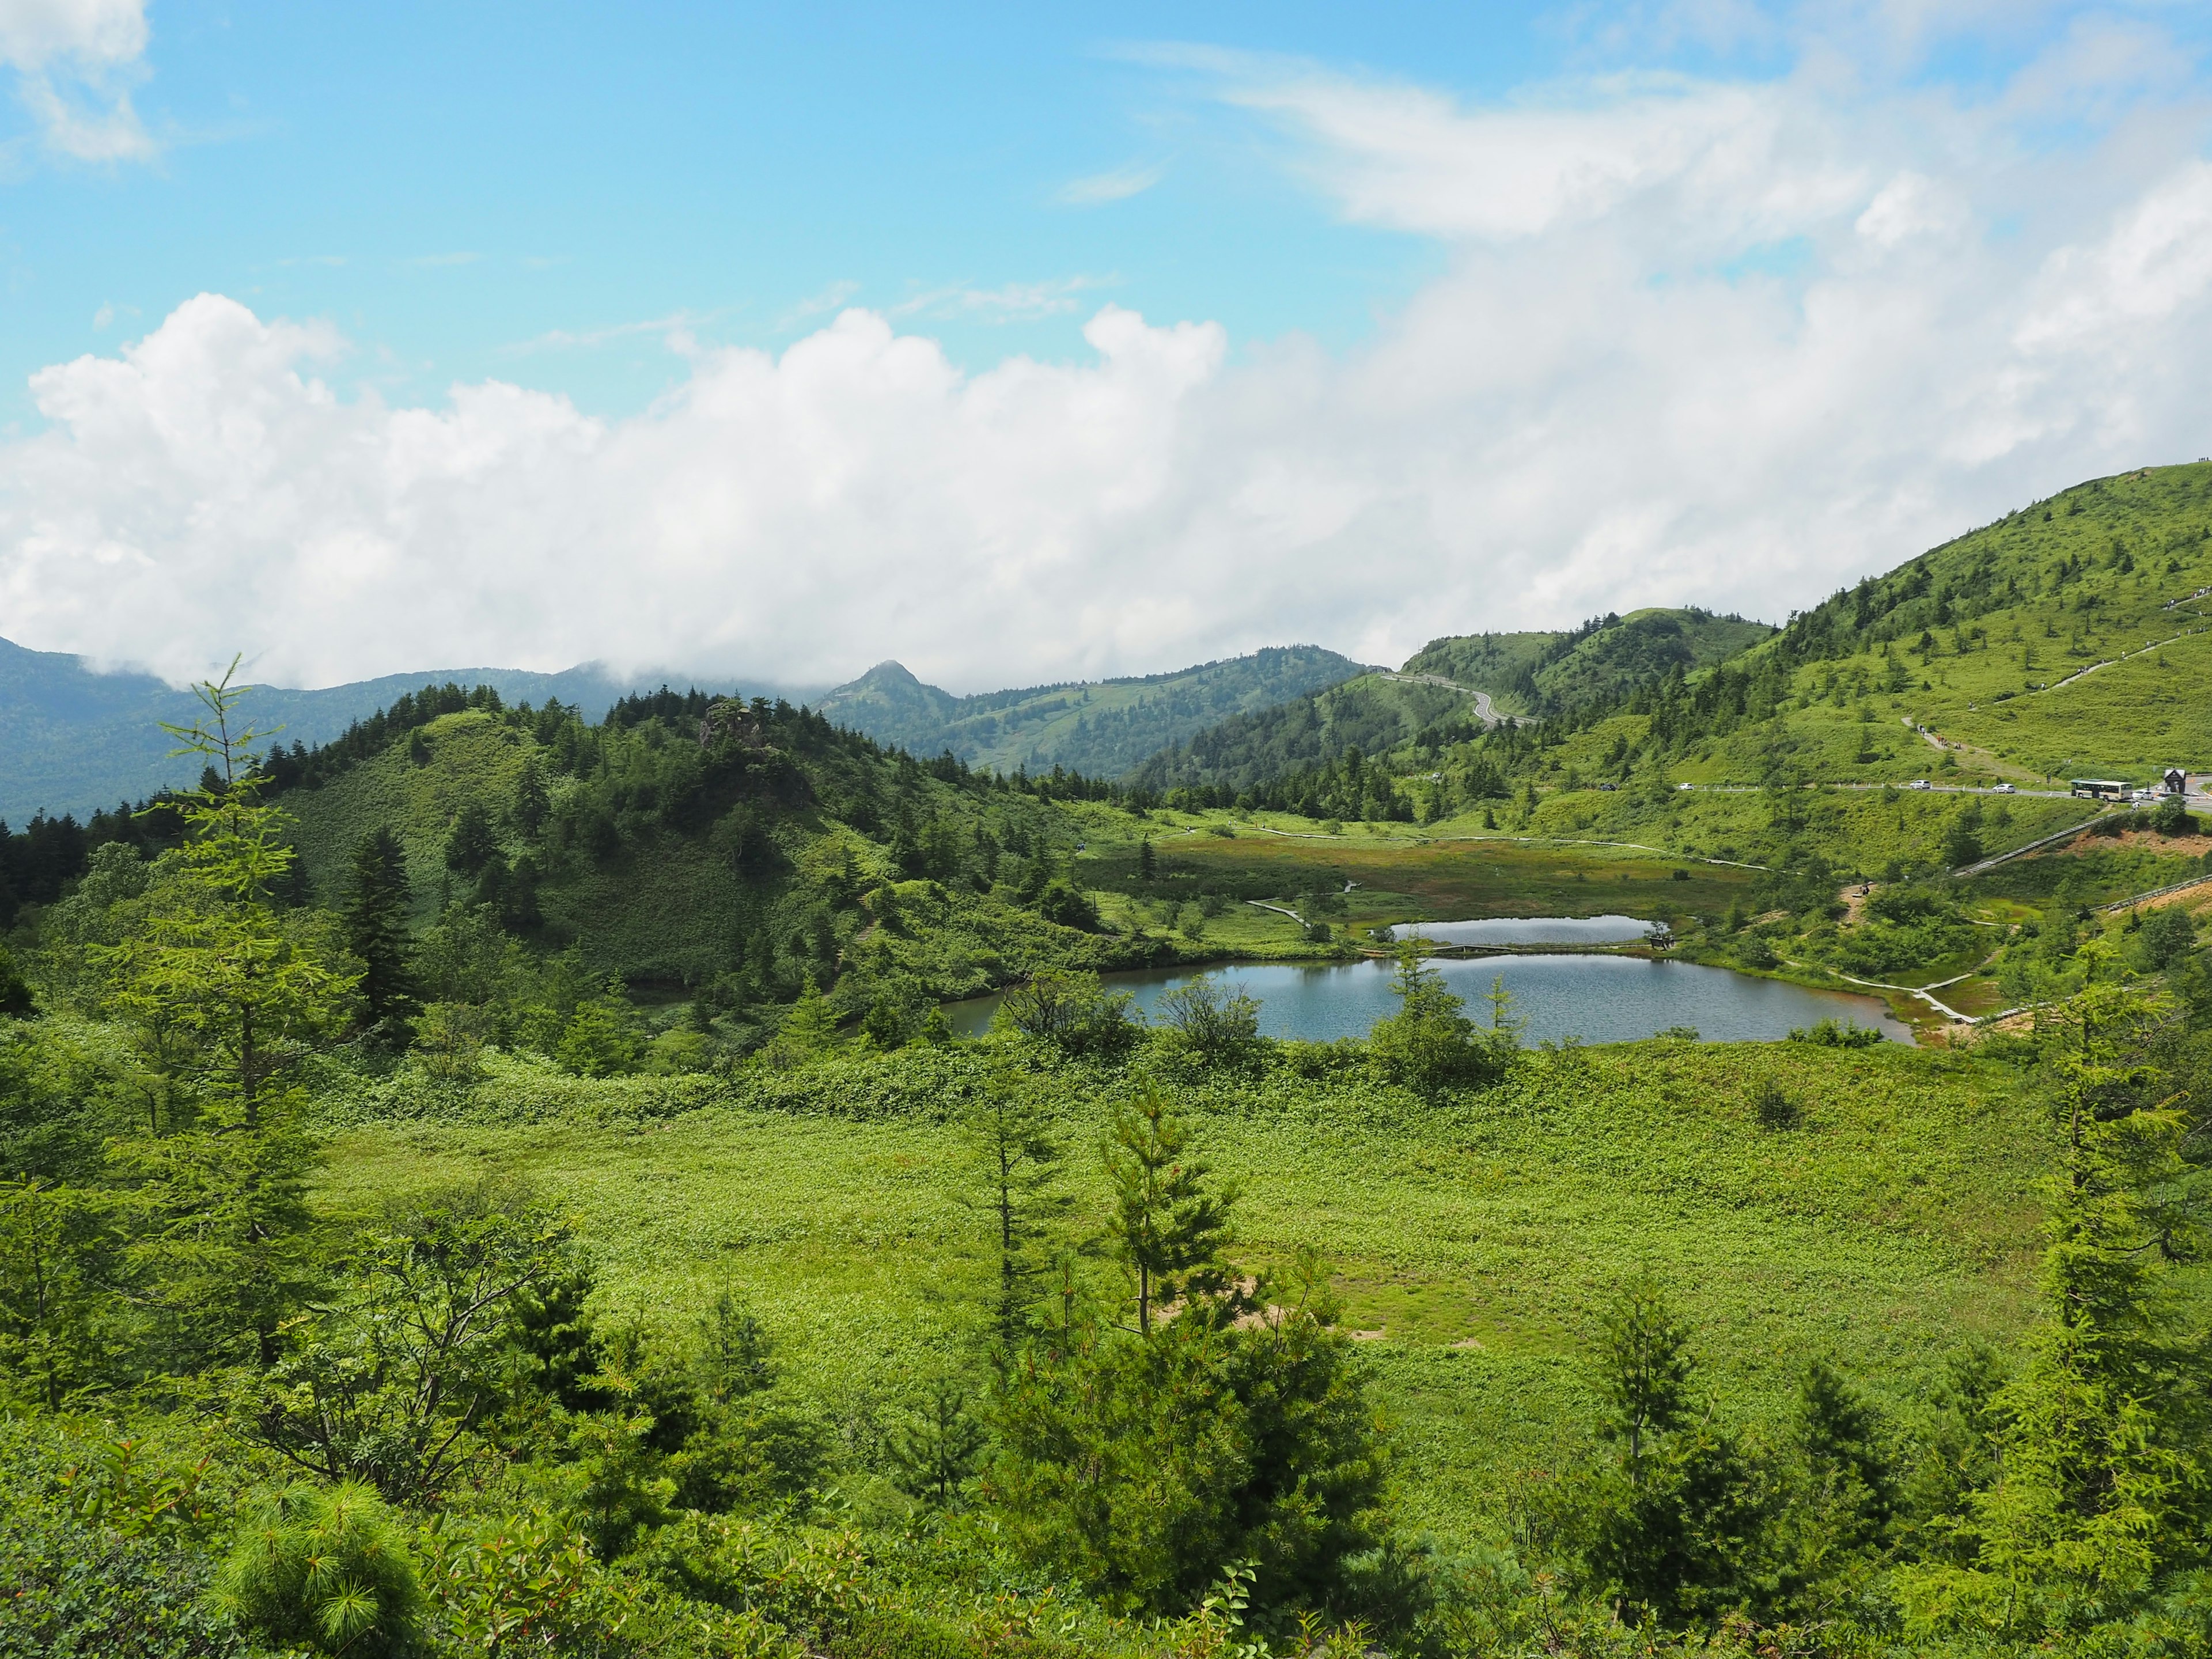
1483	711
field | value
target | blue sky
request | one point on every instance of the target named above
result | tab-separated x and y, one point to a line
524	191
1436	269
503	190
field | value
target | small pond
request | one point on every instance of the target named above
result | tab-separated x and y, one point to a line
1597	998
1528	930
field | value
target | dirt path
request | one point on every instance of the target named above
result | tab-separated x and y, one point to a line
2107	662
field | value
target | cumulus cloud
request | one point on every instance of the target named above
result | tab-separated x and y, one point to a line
1608	398
73	60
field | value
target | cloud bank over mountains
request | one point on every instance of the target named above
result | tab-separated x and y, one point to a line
1731	343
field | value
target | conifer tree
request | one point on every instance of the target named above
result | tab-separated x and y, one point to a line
2104	1453
375	917
1018	1159
236	993
1168	1226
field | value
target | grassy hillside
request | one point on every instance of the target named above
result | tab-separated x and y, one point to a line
1380	714
1540	674
1372	714
1099	728
2065	639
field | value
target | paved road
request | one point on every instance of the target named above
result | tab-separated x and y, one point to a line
1483	711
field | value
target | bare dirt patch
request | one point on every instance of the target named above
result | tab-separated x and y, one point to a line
2193	846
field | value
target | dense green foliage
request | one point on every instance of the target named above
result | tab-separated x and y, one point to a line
1602	660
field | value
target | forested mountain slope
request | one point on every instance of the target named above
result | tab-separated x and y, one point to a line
73	740
749	849
1099	728
1543	673
1523	673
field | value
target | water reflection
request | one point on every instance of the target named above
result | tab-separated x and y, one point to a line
1594	998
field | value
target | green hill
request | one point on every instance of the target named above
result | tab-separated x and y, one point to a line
1543	673
747	849
1099	728
1370	714
2068	638
74	739
1523	673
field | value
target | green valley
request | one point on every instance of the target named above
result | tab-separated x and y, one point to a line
500	1181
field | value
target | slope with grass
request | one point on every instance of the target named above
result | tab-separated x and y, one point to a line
1610	657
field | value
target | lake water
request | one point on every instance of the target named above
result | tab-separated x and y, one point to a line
1530	930
1597	998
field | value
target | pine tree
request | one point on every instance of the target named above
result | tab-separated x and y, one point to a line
1168	1226
2106	1451
375	917
234	994
1019	1160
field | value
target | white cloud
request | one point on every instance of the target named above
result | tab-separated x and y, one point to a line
1014	302
1599	403
1118	185
73	59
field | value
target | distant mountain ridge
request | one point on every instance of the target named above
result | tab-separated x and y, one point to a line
73	740
1102	728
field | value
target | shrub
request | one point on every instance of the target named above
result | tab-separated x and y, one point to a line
1071	1011
1063	904
1216	1028
2166	937
1429	1044
325	1570
602	1038
1829	1034
1773	1107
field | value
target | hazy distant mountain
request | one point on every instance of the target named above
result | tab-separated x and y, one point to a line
1101	728
72	739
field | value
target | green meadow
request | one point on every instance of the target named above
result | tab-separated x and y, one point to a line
1474	1243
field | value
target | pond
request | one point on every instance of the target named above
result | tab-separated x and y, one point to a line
1525	930
1596	998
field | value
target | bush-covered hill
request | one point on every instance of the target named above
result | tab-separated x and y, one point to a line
1100	728
1378	713
74	739
752	848
1370	714
1544	673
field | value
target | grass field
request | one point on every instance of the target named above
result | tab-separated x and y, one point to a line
1447	872
1474	1243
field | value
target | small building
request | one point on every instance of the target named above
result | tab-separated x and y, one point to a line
2176	781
